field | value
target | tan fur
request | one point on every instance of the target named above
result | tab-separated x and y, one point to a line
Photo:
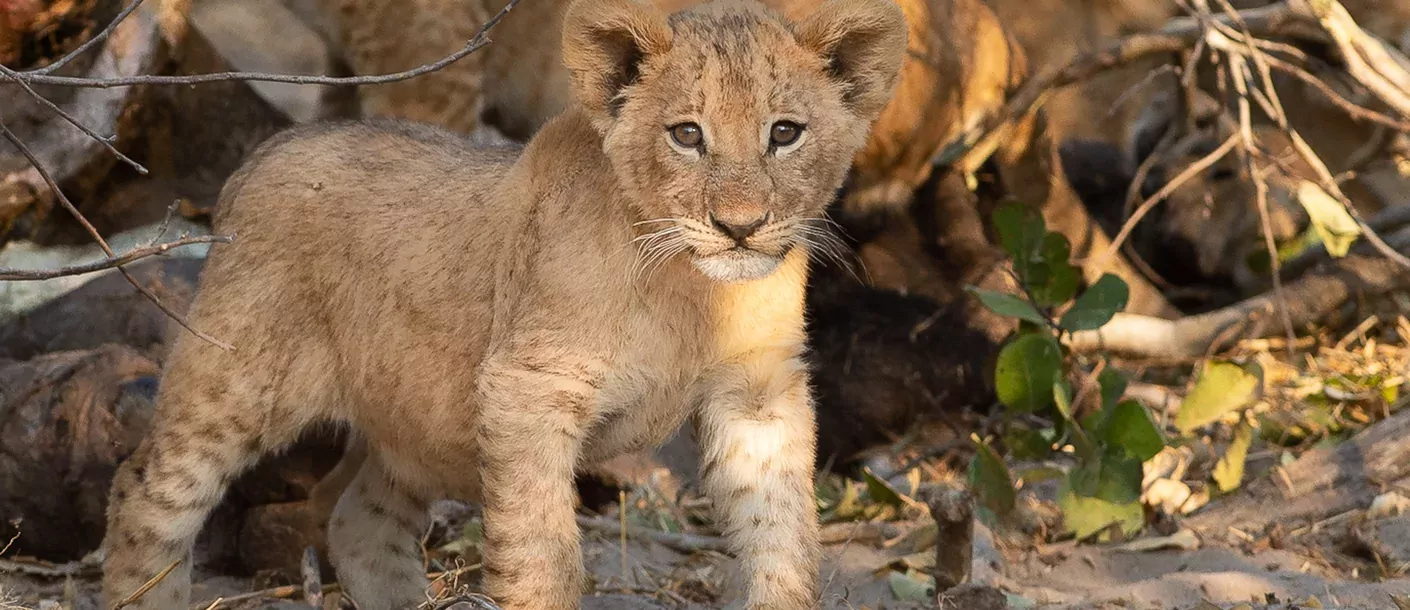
960	66
492	321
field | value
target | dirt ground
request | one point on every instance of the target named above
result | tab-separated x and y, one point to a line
643	574
1086	577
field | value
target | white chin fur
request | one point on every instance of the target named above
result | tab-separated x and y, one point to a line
736	266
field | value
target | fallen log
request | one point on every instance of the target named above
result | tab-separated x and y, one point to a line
1308	300
1322	483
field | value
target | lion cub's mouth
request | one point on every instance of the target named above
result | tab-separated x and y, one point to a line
738	264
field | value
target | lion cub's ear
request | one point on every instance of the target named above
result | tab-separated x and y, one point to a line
864	42
604	43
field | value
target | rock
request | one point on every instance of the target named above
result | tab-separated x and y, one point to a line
66	420
106	310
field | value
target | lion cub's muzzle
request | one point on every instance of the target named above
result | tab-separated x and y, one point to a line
733	248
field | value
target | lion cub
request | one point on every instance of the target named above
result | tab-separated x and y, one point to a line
491	320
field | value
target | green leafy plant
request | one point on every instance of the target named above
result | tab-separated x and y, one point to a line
1101	493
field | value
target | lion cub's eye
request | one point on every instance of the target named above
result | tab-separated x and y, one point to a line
687	135
784	133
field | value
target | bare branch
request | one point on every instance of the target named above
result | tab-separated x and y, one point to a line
1351	108
97	38
45	76
1177	36
480	39
1366	57
1193	170
25	275
1309	299
105	141
98	237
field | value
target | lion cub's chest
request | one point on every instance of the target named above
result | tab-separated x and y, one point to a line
726	341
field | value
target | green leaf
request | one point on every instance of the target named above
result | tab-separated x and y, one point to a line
1097	305
1061	283
1081	441
991	480
1085	516
1026	370
849	506
1027	444
1062	398
1120	480
1055	249
1131	428
1229	472
1333	224
1020	229
1222	387
1113	385
1113	476
1060	279
879	490
1008	305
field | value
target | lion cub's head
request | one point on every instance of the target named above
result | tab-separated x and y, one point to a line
729	128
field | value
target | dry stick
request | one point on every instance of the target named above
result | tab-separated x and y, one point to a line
686	543
1241	77
1353	42
1177	36
1355	111
1133	197
25	275
146	586
73	210
43	76
105	141
480	39
97	38
1194	169
1335	29
284	592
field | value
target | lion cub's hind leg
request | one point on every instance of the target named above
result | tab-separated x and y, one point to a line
374	539
202	439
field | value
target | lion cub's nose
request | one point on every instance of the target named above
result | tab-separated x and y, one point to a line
737	230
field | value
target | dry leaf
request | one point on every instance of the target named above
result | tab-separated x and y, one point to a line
1388	505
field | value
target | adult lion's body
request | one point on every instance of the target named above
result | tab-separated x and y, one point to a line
489	321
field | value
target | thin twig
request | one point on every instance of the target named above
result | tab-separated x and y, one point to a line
480	39
1177	36
98	237
27	275
105	141
166	222
147	586
97	38
1241	78
686	543
1194	169
1352	109
284	592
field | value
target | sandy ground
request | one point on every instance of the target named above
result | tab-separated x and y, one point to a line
1060	576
